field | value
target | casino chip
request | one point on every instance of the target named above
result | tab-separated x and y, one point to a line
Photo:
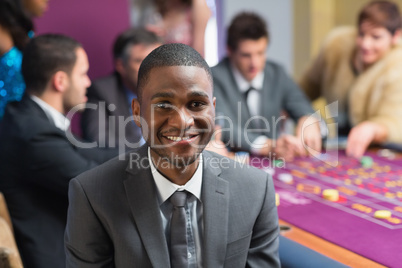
366	161
382	214
277	199
286	178
330	195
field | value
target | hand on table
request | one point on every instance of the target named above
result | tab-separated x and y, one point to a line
288	147
362	135
308	131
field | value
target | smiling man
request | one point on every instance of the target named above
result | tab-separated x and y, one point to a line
127	213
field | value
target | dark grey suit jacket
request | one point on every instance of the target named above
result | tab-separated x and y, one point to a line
114	218
110	123
279	93
37	162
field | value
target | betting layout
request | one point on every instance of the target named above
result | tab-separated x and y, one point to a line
370	188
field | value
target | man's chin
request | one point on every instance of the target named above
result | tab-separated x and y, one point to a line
178	160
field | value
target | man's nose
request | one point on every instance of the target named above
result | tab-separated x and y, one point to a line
182	118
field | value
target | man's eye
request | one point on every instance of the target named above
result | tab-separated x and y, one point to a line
197	104
164	105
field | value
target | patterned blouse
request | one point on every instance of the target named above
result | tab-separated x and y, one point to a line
12	85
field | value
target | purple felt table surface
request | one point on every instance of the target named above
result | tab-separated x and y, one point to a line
350	222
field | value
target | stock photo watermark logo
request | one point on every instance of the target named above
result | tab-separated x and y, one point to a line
328	122
236	133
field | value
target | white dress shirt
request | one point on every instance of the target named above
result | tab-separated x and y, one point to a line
253	100
57	118
194	211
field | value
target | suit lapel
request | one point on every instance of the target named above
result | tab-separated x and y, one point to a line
141	193
235	96
266	93
215	198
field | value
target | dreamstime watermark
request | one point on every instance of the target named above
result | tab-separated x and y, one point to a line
237	132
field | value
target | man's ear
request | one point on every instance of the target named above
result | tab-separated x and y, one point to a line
214	101
60	81
135	106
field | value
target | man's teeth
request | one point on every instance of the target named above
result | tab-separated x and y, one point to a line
173	138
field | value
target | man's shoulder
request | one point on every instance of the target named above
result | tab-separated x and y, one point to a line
114	169
271	65
108	79
233	170
105	84
223	67
25	119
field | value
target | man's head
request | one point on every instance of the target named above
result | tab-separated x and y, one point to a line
175	107
129	50
247	43
56	65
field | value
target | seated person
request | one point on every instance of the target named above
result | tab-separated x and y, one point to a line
37	156
361	68
252	92
108	117
124	212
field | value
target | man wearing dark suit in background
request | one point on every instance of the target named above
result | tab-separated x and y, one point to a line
121	213
248	86
108	117
37	156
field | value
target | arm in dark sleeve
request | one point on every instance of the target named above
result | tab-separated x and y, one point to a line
86	241
53	160
264	243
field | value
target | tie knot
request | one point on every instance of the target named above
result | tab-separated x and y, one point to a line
248	91
178	199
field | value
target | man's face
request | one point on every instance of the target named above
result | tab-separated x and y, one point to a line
178	108
249	57
78	82
129	69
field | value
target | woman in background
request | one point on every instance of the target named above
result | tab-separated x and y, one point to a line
16	28
362	70
182	21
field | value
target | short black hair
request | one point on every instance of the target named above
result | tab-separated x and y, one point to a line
133	36
44	56
175	54
16	21
246	25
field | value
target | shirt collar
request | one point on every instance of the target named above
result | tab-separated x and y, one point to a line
243	84
57	118
166	188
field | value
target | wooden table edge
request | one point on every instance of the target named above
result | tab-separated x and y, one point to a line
327	248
